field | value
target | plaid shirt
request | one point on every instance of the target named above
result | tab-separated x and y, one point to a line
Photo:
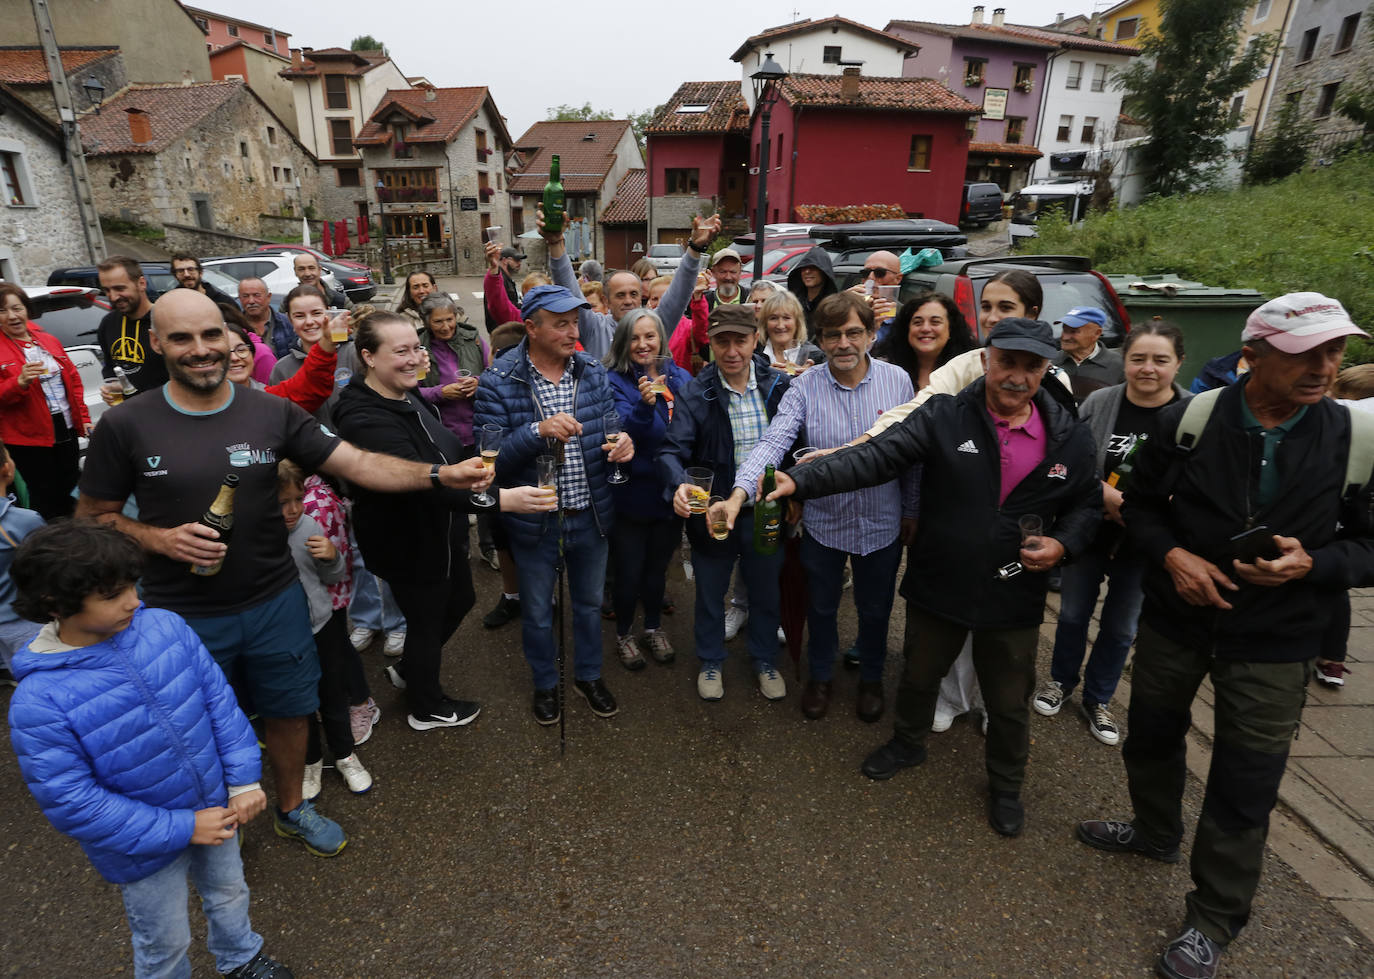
573	491
748	416
324	505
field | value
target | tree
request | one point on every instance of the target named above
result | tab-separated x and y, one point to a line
1283	149
366	42
1182	84
1357	104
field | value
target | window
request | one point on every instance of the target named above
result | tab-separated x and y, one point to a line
408	184
1065	128
233	30
693	107
272	135
1127	28
1016	129
830	55
1327	99
349	176
336	91
243	148
286	175
1099	77
276	175
919	158
341	137
1294	98
1237	108
483	181
1075	78
1250	46
1345	38
400	149
681	181
1261	10
1089	129
778	164
1025	77
269	38
1309	44
12	165
202	23
974	71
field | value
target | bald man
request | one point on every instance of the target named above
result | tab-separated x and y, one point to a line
880	269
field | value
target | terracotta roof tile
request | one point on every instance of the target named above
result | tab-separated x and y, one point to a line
876	94
171	109
583	163
1006	149
803	26
1021	34
628	207
434	122
26	66
336	61
726	111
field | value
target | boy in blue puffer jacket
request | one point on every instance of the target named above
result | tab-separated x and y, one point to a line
133	744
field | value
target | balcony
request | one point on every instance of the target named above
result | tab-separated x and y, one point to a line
483	154
485	193
407	195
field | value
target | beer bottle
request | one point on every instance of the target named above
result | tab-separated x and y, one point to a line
767	517
125	385
220	517
553	200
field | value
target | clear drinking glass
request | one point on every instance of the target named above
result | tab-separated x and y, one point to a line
1031	526
546	474
699	495
611	425
489	444
715	518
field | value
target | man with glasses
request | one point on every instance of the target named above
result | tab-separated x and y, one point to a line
189	275
880	269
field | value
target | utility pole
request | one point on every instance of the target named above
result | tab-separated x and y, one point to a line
66	113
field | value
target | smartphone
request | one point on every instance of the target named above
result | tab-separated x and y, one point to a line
1257	542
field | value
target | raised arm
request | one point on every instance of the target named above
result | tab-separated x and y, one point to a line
673	306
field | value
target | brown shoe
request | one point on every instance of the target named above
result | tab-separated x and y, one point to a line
870	703
815	699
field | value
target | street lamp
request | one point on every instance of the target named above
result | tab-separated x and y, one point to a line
387	278
765	94
95	92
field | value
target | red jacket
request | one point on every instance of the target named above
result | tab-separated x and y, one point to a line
24	415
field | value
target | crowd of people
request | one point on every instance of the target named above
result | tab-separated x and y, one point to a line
611	414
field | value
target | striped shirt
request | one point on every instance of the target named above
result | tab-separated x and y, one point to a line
748	415
574	493
52	385
830	414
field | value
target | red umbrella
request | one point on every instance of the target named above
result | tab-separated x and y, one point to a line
327	240
341	237
362	232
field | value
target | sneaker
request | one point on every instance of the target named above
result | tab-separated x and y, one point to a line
985	723
851	658
782	637
260	967
395	643
1192	955
312	781
627	648
1115	836
1330	674
354	774
393	673
771	684
362	718
1049	698
848	581
491	559
687	570
659	647
449	713
1101	724
320	834
709	684
944	717
506	610
361	638
735	617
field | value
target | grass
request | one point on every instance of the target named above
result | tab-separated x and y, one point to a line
143	232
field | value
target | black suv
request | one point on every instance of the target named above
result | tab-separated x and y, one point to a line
159	276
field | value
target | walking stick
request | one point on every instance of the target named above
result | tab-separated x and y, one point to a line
562	660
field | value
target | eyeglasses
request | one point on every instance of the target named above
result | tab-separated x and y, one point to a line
853	336
878	273
242	350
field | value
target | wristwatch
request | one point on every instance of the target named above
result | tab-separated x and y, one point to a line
434	476
692	245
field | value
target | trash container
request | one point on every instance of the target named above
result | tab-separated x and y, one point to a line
1211	317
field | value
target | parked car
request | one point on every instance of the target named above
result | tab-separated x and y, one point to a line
777	262
1067	281
357	283
159	276
70	313
981	204
665	257
274	269
1030	203
347	263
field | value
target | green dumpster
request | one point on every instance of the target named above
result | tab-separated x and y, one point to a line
1211	317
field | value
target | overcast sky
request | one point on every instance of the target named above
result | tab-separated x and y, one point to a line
617	55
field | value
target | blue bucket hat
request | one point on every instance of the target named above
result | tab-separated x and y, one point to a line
556	299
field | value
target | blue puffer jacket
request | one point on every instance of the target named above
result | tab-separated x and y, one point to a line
506	397
642	495
121	742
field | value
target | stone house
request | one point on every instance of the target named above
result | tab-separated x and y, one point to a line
40	228
697	152
25	71
433	161
1329	49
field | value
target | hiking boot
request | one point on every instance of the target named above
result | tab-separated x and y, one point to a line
1115	836
321	835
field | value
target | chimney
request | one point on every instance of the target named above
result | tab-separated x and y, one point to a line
140	127
1095	26
297	60
187	78
977	14
430	94
849	84
1058	20
999	14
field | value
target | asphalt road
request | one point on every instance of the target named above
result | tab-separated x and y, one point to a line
679	839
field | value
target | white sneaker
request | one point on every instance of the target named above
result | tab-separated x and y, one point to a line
395	643
688	571
1049	698
771	684
782	637
709	684
735	617
353	772
1101	723
311	782
360	638
943	719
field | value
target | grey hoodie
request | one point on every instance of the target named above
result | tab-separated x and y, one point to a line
315	575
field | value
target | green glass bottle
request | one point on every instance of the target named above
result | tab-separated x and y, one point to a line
767	517
553	200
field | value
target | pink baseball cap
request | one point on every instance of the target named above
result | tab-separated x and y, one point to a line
1299	321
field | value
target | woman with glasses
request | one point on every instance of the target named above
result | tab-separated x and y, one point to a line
309	387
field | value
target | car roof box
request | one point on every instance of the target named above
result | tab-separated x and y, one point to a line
890	234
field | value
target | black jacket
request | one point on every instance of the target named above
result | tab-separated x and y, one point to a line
816	258
1199	500
964	535
404	536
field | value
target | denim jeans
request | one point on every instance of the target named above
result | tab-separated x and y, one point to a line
584	549
156	909
641	551
875	581
759	572
1116	632
373	606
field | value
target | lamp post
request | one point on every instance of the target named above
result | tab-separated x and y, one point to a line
765	94
95	92
387	278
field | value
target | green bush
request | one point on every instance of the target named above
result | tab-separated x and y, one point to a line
133	229
1308	232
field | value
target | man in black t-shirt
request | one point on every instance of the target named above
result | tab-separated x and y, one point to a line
123	333
172	451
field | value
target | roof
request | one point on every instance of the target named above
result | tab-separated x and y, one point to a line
436	121
725	112
627	207
27	66
876	94
336	61
237	43
583	163
171	109
808	25
1021	34
1005	149
228	19
10	100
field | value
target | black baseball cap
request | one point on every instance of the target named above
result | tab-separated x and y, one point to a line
1020	333
511	252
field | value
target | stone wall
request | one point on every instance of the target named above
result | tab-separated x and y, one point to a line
1350	67
676	212
199	241
44	232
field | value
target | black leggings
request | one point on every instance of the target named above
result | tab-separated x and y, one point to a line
332	644
50	472
433	608
641	551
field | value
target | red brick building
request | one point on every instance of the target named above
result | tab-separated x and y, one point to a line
698	145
